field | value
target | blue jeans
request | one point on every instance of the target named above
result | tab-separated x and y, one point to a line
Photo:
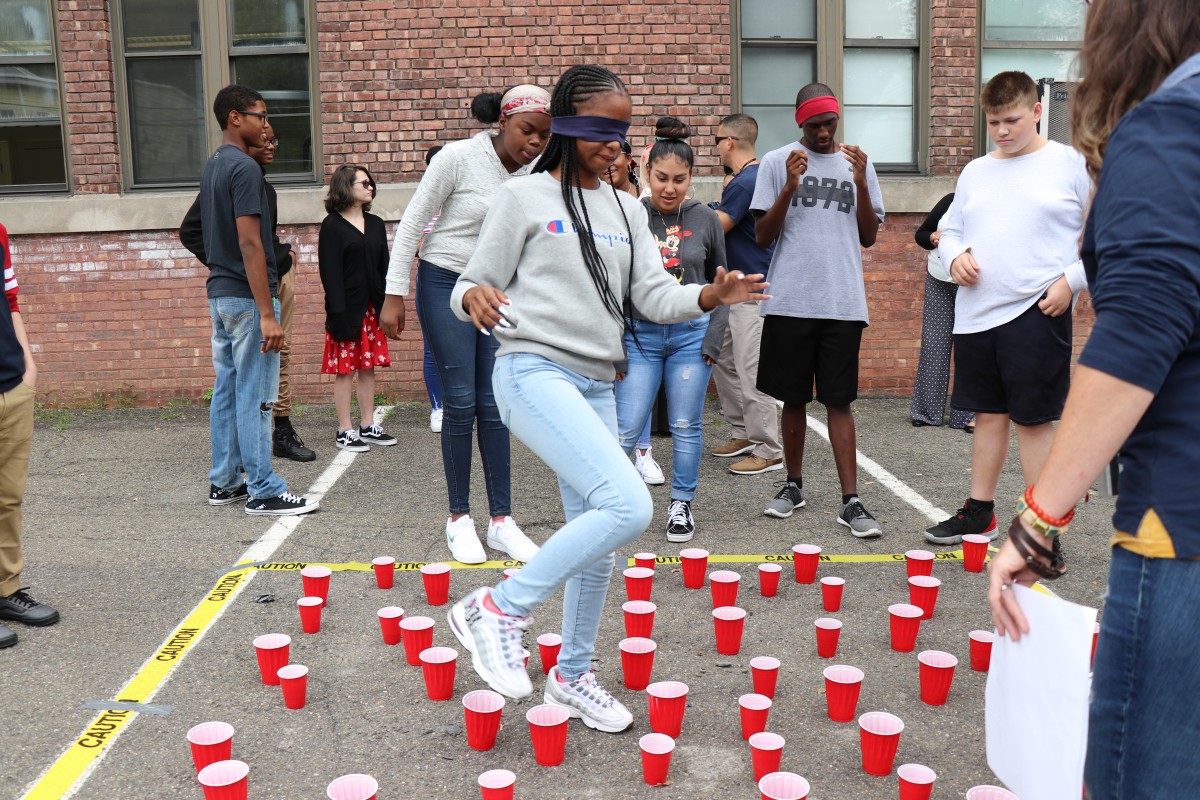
464	358
1144	719
570	422
432	386
670	354
239	418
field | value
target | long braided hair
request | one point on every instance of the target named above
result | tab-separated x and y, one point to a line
577	85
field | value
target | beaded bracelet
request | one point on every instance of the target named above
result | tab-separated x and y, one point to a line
1031	518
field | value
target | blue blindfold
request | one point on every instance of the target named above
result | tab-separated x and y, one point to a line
590	129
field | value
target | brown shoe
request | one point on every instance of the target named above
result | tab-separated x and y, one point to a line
734	447
754	465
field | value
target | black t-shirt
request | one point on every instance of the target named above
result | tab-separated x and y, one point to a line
232	186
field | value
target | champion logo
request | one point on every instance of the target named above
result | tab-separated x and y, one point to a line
560	227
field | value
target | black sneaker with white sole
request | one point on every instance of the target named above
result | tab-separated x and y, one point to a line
351	441
374	434
973	517
681	526
285	505
223	497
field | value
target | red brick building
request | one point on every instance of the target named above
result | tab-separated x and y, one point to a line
105	122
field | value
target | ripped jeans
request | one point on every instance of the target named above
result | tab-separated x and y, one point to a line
667	354
247	383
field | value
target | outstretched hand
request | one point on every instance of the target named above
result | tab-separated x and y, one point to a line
483	303
728	288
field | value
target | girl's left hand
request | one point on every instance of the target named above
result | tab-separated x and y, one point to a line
735	287
483	304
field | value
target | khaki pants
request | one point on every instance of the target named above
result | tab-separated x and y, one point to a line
16	434
287	305
752	414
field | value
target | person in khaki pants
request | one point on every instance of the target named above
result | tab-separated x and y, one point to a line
18	375
751	413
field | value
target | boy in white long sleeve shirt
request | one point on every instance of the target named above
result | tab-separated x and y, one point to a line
1012	241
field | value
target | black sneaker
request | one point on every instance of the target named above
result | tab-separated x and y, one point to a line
681	526
223	497
349	440
375	435
286	505
979	520
788	499
286	443
20	607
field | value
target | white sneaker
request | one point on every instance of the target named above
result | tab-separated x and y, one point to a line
494	641
435	420
506	536
651	473
588	700
463	541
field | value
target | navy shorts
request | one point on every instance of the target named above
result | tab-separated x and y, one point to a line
1021	368
797	352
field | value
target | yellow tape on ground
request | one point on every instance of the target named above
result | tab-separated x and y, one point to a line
63	774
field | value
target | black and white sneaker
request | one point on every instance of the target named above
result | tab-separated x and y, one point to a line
223	497
374	434
286	505
681	526
350	440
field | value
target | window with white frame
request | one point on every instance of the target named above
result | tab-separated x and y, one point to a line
32	155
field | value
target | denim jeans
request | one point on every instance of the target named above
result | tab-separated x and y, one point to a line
239	418
428	367
670	354
464	358
570	422
1144	720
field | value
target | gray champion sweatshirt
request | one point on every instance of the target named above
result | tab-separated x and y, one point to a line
528	249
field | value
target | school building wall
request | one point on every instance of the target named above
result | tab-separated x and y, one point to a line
116	307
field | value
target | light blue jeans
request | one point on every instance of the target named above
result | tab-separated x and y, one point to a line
239	418
671	354
570	422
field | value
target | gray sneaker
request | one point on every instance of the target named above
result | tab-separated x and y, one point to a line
788	499
494	641
854	515
588	700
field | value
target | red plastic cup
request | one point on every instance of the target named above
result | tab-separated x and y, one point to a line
352	787
905	622
548	731
647	560
273	650
1095	641
989	793
656	757
316	582
918	562
783	786
768	579
225	780
879	735
417	635
981	649
497	784
637	661
724	586
831	593
210	742
385	571
310	613
923	593
548	646
436	578
937	673
639	618
975	548
390	618
694	561
764	672
806	557
729	621
525	658
828	631
766	753
667	702
916	781
639	583
842	687
294	680
481	711
754	709
438	665
508	573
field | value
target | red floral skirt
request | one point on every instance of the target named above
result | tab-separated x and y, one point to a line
371	350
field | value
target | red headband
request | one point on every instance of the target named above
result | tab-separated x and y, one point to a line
817	105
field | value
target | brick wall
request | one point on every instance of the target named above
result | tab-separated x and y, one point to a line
86	48
953	73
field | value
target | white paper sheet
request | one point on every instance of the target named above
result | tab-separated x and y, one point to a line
1036	704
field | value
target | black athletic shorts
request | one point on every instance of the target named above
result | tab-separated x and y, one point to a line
796	352
1021	368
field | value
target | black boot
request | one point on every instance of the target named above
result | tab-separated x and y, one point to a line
287	444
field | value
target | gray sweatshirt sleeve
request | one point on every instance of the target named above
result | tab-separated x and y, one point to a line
501	241
436	185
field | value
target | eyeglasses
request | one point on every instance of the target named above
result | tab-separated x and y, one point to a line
365	183
258	114
720	139
271	143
